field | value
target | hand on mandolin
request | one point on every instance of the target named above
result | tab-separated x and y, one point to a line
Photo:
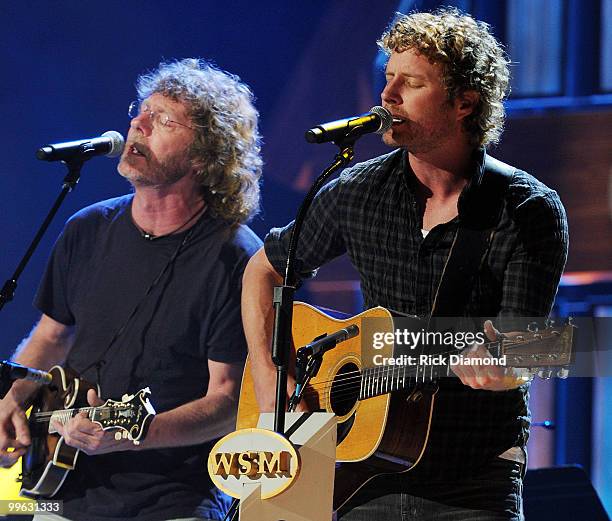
81	433
14	431
485	376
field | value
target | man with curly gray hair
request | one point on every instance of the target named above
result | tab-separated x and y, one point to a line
144	291
436	228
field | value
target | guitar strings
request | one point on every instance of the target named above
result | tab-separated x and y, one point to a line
45	415
398	373
358	374
350	383
346	395
351	390
348	389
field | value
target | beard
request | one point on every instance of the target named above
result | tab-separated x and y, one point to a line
431	131
146	170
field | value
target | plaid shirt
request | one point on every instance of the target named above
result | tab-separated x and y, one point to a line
371	213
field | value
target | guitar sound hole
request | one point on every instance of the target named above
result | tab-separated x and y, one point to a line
345	389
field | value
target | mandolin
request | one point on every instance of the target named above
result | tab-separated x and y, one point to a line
49	460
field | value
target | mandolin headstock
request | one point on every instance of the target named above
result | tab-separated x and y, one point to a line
131	416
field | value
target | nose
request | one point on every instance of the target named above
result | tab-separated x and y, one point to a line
142	122
390	94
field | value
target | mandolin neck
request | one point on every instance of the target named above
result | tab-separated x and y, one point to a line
63	416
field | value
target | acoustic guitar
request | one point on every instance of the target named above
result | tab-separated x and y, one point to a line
384	411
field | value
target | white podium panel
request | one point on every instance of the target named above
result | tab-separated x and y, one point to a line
310	498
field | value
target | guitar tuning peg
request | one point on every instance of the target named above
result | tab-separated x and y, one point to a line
124	398
549	322
125	435
117	436
563	373
532	327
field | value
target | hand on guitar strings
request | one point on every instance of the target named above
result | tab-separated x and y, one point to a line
14	431
484	376
81	433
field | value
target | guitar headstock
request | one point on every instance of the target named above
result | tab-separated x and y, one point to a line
541	350
131	415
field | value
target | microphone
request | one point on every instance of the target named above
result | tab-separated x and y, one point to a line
13	371
378	120
327	342
307	363
109	144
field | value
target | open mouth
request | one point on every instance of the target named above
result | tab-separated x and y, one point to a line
136	151
398	121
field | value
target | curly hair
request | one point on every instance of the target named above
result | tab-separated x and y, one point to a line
226	147
471	59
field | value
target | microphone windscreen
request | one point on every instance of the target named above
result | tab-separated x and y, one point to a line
118	143
386	119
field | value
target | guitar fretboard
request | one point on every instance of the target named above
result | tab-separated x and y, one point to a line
102	415
383	379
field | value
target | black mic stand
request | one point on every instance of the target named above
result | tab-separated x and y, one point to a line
70	181
284	295
283	300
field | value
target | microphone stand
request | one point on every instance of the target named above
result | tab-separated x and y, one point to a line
284	295
306	368
70	181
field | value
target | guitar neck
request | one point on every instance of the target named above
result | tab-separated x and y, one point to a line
413	369
545	350
384	379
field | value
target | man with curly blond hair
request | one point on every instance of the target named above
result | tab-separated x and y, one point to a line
144	290
407	220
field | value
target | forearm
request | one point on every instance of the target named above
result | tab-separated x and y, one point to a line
258	320
193	423
47	345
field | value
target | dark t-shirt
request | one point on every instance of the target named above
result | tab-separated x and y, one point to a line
154	322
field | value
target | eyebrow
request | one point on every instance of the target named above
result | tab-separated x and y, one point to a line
171	115
153	108
407	75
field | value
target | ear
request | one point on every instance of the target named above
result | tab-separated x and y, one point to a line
465	103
